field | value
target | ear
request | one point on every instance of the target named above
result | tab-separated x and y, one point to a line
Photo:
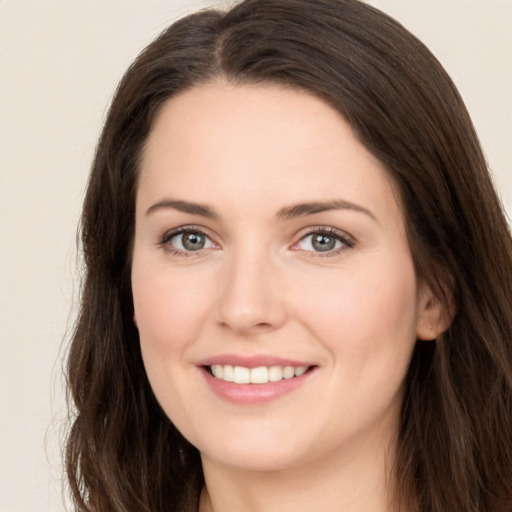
435	311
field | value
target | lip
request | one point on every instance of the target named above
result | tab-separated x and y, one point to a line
252	361
253	394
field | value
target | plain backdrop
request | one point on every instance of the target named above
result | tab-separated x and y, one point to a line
59	64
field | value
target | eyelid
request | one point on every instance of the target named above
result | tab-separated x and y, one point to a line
164	239
347	240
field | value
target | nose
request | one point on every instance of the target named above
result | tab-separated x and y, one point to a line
250	299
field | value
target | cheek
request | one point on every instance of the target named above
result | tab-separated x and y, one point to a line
366	320
169	306
170	311
366	312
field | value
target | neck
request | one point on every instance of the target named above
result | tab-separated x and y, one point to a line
351	482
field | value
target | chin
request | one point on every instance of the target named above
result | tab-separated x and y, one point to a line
253	460
262	454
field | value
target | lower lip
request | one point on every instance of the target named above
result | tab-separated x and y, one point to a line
253	394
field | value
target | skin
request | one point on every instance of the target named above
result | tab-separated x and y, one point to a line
259	286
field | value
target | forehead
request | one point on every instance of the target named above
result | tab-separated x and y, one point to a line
254	141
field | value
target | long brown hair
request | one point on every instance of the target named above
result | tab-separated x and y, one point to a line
455	438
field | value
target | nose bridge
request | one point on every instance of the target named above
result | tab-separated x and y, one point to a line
250	298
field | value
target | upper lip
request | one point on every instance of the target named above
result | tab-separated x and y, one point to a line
252	361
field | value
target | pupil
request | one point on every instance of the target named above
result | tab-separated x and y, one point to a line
193	241
323	243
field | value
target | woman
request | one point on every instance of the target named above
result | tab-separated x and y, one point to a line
298	277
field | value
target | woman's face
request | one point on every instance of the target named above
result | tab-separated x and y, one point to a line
270	249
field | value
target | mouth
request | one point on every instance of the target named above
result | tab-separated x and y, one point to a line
250	380
256	375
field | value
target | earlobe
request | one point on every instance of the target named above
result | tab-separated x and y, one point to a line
435	315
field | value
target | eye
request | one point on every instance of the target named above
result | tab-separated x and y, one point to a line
324	241
186	240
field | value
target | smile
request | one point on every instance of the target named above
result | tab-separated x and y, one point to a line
249	380
258	375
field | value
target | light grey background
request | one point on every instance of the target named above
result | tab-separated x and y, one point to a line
59	64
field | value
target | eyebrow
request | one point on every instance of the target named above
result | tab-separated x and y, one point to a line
286	213
185	207
311	208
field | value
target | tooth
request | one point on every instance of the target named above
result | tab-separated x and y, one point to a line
259	375
275	373
228	373
217	370
241	375
288	372
301	370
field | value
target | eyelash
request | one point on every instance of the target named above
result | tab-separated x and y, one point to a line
169	235
346	241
